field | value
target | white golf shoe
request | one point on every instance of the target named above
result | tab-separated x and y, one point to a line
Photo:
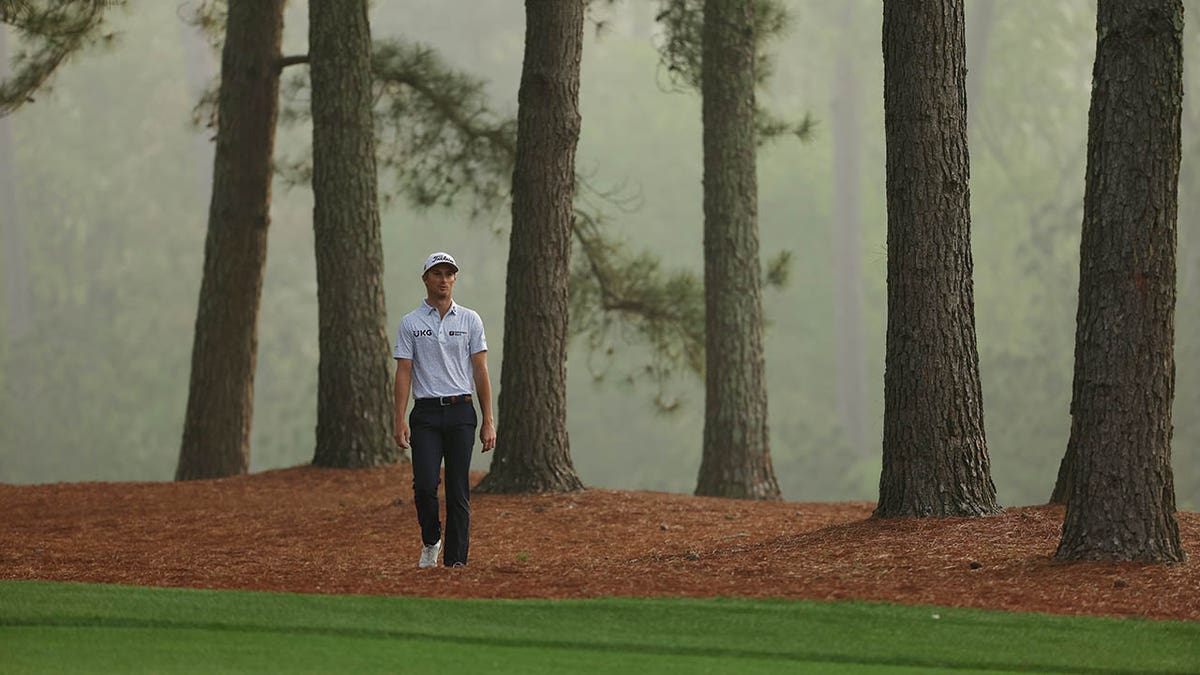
429	555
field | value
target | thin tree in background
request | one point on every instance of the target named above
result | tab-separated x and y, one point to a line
17	302
1116	475
935	459
355	404
216	430
532	449
736	459
18	306
850	340
48	35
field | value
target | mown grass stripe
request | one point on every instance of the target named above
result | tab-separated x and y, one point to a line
109	622
725	631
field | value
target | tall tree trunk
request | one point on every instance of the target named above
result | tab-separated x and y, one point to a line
355	405
935	459
737	456
848	293
216	431
1121	494
532	451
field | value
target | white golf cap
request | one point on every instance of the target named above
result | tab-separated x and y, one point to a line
437	259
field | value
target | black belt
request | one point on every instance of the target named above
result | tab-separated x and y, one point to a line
444	400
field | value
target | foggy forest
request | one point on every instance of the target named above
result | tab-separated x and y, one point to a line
106	176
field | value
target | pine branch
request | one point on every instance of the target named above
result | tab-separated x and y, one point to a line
293	60
680	55
620	299
52	31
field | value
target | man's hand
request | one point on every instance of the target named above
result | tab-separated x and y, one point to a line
487	435
403	435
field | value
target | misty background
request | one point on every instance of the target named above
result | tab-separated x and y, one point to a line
105	182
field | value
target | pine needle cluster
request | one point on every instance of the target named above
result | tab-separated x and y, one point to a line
679	51
49	32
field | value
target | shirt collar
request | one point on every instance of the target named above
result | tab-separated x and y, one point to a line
430	308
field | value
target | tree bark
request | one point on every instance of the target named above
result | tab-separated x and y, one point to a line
532	450
354	392
216	431
935	459
736	459
1120	490
1064	483
848	293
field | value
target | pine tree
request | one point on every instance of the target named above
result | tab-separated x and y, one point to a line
1116	474
935	459
355	405
532	449
736	459
216	430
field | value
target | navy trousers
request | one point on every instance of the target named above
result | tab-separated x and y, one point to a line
443	433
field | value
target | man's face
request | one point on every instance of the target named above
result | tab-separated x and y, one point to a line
439	280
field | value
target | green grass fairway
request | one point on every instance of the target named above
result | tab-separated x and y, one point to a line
92	628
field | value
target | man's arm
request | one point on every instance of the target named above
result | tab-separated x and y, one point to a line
403	387
483	391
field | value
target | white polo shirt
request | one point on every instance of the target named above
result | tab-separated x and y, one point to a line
441	349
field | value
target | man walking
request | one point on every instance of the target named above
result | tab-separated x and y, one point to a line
441	356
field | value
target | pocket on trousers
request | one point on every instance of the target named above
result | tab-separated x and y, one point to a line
419	417
470	417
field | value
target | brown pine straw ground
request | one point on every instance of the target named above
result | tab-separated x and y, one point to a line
310	530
